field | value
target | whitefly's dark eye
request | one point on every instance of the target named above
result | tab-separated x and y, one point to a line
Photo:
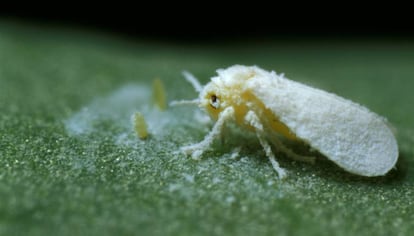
214	101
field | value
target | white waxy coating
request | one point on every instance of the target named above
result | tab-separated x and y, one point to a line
350	135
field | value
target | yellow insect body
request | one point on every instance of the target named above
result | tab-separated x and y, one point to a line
159	94
140	125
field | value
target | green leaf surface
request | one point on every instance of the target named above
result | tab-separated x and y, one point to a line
71	164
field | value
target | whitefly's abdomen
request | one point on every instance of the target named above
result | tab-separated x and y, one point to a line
350	135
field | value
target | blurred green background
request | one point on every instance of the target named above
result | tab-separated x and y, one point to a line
70	163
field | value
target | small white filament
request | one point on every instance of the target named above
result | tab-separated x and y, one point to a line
185	102
193	81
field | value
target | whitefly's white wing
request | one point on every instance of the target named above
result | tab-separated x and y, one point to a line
353	137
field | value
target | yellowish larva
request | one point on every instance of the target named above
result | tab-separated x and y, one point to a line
139	124
159	94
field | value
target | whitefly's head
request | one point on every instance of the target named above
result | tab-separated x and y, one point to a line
229	88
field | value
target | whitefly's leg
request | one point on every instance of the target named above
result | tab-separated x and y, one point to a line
196	150
289	153
252	119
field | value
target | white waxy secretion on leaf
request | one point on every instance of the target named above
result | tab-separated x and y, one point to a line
268	104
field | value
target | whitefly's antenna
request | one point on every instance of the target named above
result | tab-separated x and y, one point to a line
185	102
197	86
193	81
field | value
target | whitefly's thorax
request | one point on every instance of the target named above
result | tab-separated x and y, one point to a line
234	87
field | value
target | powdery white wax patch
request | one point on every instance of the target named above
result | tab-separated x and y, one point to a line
118	105
268	104
117	108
